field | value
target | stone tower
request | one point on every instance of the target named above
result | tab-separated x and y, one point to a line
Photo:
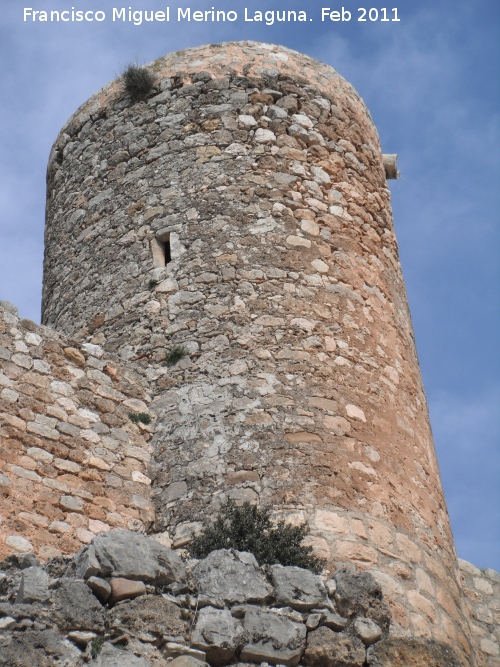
241	212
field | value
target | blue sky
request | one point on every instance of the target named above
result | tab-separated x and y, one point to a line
430	82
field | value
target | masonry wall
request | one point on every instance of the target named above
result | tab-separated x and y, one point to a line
481	589
72	464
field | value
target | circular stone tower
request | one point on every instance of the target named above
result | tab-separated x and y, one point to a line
240	214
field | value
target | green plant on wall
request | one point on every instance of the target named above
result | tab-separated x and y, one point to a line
96	647
138	82
137	417
250	528
175	354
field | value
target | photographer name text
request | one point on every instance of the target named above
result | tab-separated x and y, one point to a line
187	15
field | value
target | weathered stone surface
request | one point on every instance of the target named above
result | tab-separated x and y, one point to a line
358	594
298	588
334	621
313	620
38	648
74	355
76	608
274	638
152	614
230	577
85	563
404	652
100	588
7	623
218	634
326	648
175	649
19	543
125	589
21	612
366	630
123	553
331	587
187	661
34	586
114	657
81	638
22	561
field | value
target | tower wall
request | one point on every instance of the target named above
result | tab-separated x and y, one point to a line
261	171
72	464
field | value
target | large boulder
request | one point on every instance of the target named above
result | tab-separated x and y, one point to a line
123	553
148	615
34	586
114	657
76	608
228	577
298	588
275	638
358	594
326	648
37	648
410	652
218	634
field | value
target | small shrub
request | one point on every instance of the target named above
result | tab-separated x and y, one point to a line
138	82
139	417
175	354
248	528
153	283
121	645
96	647
186	615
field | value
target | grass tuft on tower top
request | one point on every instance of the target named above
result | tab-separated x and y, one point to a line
138	81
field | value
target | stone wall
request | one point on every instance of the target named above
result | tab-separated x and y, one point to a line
127	600
481	589
72	464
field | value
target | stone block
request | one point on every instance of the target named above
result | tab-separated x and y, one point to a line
275	638
334	621
326	648
75	356
152	614
408	652
34	648
298	588
125	589
76	608
358	594
114	657
100	588
34	586
123	553
366	630
218	634
230	577
187	661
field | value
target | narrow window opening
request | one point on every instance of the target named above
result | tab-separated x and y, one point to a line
162	253
166	251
